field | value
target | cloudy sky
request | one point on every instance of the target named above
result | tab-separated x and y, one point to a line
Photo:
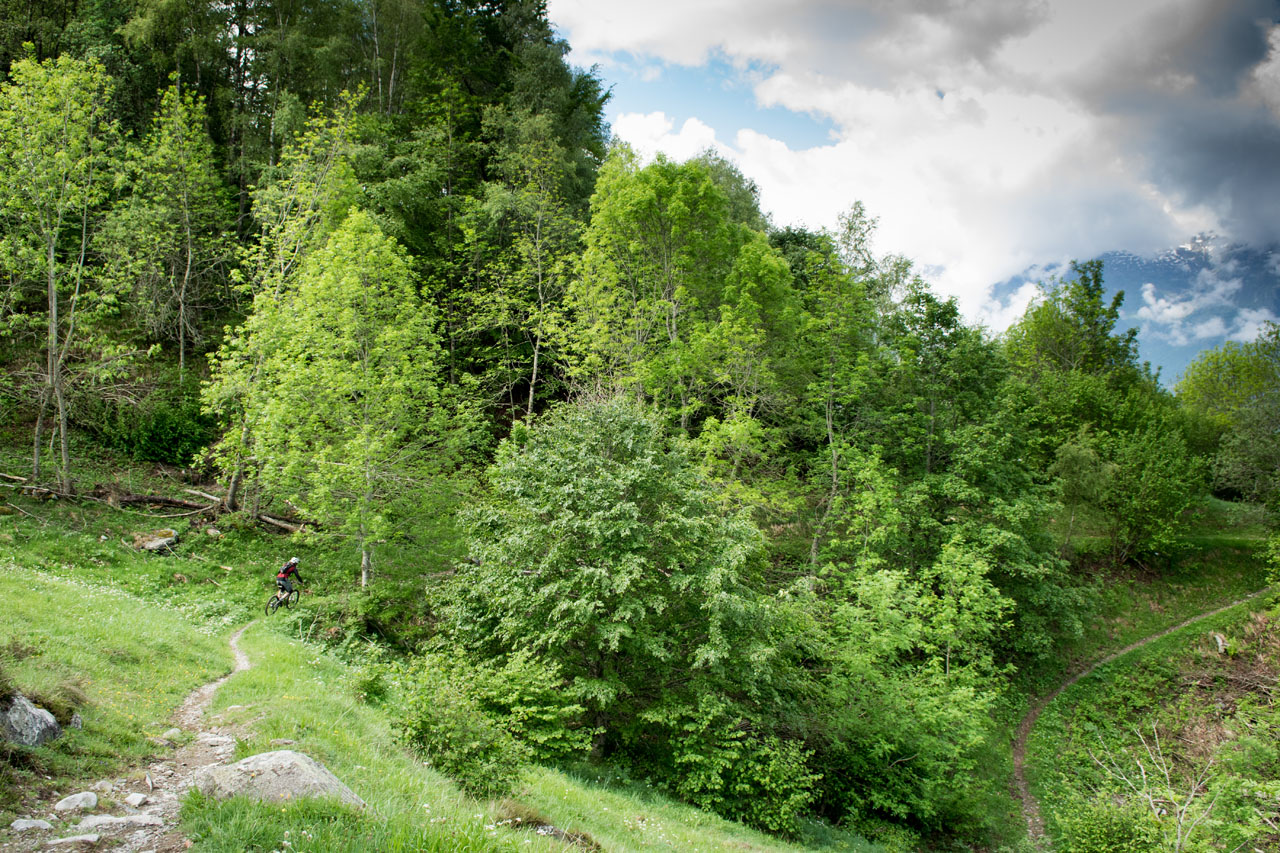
988	136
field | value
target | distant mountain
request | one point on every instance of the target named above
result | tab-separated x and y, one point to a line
1185	299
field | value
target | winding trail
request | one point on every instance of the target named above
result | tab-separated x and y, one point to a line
152	826
1031	806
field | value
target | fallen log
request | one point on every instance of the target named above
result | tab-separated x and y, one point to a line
160	500
291	526
13	477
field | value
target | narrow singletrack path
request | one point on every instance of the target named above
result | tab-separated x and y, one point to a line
1030	806
152	826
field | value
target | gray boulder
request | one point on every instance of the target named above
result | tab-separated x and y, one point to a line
26	824
275	776
156	540
24	723
83	802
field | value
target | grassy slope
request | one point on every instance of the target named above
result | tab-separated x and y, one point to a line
121	661
1216	561
298	693
134	632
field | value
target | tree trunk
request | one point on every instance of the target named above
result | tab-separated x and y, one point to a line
35	449
366	567
533	377
64	470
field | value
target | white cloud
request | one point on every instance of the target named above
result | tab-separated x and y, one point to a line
1181	318
652	133
1214	327
1248	323
986	135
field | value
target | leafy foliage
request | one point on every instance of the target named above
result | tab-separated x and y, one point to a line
445	723
599	550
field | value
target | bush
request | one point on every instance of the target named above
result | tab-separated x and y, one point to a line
165	426
717	761
1103	826
447	726
527	698
760	780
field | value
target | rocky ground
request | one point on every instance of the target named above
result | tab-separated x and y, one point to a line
137	812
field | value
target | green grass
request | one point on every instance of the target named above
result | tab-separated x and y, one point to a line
296	692
1181	683
123	663
1209	571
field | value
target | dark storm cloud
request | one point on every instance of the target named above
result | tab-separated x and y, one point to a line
1189	103
880	42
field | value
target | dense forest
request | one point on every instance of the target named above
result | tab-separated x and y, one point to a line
744	508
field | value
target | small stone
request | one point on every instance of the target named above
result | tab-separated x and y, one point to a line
104	785
77	721
135	800
98	820
85	840
213	532
24	824
77	802
156	540
172	734
282	741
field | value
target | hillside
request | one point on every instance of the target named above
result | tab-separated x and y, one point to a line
587	464
125	660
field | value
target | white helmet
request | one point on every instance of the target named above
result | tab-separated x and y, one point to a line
293	560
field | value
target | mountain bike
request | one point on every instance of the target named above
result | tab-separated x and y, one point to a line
277	601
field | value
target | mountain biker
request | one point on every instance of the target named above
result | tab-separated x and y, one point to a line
284	585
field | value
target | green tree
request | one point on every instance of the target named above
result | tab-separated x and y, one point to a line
600	551
170	238
1153	481
658	249
1224	380
1235	385
57	148
524	241
354	420
1072	327
309	194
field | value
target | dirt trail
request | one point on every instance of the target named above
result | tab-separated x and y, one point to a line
1030	806
151	826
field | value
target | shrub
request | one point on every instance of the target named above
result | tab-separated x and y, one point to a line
527	698
1103	826
165	426
447	726
717	761
760	780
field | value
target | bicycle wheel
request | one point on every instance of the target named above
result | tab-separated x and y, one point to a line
272	604
292	598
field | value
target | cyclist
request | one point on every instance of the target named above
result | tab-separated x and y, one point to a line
284	585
